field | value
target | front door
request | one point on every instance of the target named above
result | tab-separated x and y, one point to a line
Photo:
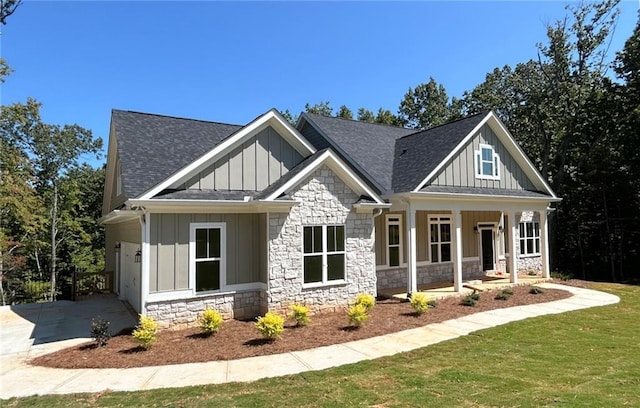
488	261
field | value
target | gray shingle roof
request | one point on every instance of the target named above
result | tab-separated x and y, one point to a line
417	155
153	147
366	146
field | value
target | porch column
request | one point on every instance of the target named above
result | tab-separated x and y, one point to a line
457	251
544	244
513	264
412	281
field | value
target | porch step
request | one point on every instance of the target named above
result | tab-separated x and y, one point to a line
474	285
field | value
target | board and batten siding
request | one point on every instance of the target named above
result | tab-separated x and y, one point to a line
169	249
128	231
252	166
460	172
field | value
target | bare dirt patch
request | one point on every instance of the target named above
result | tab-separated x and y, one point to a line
238	339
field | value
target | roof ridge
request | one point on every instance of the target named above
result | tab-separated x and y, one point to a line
445	124
356	120
174	117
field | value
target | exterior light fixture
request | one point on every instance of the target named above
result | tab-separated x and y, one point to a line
138	256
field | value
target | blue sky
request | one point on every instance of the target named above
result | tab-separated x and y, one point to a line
232	61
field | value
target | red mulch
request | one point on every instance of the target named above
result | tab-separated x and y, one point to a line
238	339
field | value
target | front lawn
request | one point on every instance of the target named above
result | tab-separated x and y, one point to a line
584	358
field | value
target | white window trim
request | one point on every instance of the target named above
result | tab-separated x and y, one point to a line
388	223
325	253
439	221
495	163
525	238
192	255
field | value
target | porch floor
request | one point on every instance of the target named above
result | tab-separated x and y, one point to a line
440	290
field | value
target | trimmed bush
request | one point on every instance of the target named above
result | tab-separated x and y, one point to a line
357	315
270	325
145	332
210	321
535	290
470	300
419	302
100	331
432	303
366	300
300	314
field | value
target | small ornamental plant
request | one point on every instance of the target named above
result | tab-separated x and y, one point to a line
270	325
210	321
100	331
300	314
504	294
536	290
419	302
145	332
366	300
470	300
357	315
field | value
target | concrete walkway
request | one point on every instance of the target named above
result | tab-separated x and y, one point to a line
18	379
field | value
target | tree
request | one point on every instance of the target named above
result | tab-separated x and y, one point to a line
426	106
7	8
290	117
385	117
322	108
53	151
344	112
365	115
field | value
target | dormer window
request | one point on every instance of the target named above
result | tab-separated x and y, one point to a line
487	163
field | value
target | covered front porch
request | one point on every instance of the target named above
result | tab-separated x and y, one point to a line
432	238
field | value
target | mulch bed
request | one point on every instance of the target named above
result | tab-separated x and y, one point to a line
238	339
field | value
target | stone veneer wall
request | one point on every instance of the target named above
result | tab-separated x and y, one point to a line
324	200
394	278
182	313
526	263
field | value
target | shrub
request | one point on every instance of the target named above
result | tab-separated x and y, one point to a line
531	272
470	300
270	325
210	321
432	303
365	300
300	314
100	331
504	294
357	315
419	302
535	290
145	332
508	291
561	276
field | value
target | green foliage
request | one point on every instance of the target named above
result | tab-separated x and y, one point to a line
432	303
560	276
357	315
322	108
210	321
344	112
271	325
300	314
366	300
536	290
100	331
426	106
419	302
470	300
504	294
146	332
34	291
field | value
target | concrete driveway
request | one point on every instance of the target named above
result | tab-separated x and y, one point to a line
38	328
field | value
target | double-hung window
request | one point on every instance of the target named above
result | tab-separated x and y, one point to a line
440	238
207	249
529	238
487	163
323	254
394	239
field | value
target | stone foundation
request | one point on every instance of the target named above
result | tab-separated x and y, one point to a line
181	313
394	278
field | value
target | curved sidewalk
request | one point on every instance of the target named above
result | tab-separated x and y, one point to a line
18	379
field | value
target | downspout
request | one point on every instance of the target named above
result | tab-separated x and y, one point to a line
144	262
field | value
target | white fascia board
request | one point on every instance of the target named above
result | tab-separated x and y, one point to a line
335	164
520	156
118	216
208	206
481	197
270	118
453	152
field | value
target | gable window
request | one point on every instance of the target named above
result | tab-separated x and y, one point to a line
487	163
529	238
394	240
440	238
207	250
323	254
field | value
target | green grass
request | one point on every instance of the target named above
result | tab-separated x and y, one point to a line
587	358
